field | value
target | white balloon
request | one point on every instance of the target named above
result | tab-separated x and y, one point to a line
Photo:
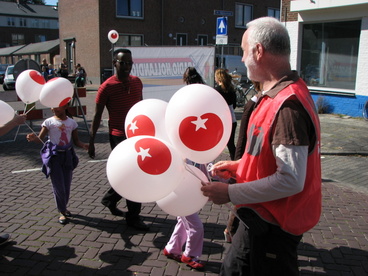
113	36
28	86
187	198
144	168
147	118
6	113
56	92
198	122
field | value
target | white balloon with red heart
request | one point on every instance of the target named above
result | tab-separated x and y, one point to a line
198	122
187	198
28	86
56	92
113	36
6	113
144	168
147	118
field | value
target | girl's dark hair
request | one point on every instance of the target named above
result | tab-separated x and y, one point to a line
192	76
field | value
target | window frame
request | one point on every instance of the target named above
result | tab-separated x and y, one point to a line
130	16
244	21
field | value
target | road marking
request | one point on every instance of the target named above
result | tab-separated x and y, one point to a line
27	170
97	161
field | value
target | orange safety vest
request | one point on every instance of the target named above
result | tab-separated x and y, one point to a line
298	213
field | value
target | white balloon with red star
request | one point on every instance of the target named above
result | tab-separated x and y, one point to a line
28	86
198	122
187	198
113	36
147	118
56	92
144	168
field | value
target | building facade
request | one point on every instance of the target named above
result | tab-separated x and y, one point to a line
22	24
329	51
84	26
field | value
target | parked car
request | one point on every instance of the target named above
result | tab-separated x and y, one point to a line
2	72
9	81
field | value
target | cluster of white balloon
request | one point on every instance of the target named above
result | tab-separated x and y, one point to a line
150	165
31	86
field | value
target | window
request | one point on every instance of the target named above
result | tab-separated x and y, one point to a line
330	54
11	21
181	39
130	8
40	38
243	14
274	13
130	40
23	22
202	40
17	39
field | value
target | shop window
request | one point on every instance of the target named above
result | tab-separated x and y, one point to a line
330	54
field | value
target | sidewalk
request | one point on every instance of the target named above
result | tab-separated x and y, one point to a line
97	243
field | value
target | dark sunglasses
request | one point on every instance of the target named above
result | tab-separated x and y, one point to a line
125	63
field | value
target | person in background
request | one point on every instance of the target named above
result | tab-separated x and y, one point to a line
189	230
224	85
58	155
51	71
278	179
63	69
192	76
80	76
118	93
16	121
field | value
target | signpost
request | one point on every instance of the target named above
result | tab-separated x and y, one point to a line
221	35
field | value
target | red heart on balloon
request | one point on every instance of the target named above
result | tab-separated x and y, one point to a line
154	157
65	101
140	125
37	77
114	35
201	133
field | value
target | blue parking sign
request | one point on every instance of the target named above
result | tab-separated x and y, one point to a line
221	26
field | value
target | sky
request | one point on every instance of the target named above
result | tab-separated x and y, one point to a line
51	2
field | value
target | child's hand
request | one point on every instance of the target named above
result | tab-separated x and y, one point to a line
31	137
85	146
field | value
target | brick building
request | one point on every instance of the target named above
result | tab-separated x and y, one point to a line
22	24
84	26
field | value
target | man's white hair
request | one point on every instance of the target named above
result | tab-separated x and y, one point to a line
271	33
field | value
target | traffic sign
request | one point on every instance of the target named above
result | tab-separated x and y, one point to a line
221	39
223	13
221	27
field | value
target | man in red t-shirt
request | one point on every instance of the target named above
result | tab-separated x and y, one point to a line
118	93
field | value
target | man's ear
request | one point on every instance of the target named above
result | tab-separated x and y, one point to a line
259	50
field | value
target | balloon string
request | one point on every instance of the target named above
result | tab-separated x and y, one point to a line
189	169
227	204
235	214
29	109
34	133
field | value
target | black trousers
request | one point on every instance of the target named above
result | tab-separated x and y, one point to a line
263	249
111	198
